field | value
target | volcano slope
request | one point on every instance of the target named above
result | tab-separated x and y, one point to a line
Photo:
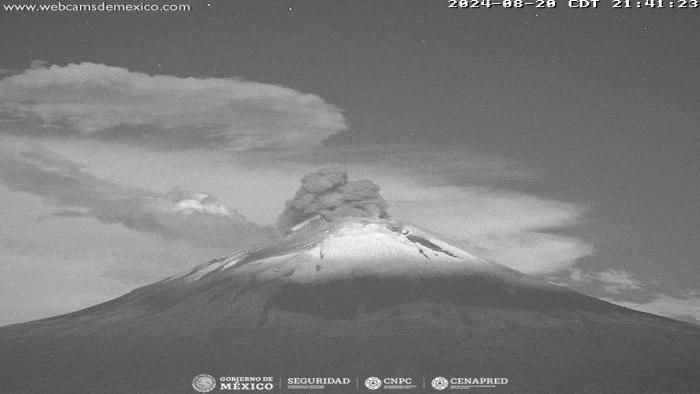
354	298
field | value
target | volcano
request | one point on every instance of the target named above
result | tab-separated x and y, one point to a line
352	298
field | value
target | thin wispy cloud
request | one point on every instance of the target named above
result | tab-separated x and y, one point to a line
616	280
435	165
90	100
510	228
178	214
611	281
680	308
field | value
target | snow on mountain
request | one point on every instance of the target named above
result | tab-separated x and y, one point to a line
350	248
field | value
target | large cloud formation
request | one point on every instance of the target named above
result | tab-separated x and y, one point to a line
328	193
194	217
98	101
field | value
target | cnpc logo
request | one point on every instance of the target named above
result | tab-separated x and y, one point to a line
373	383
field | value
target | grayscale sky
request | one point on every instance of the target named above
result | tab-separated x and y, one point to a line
561	142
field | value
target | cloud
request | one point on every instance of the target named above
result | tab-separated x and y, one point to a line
58	181
513	229
178	214
686	309
616	280
98	101
327	192
530	251
195	217
612	280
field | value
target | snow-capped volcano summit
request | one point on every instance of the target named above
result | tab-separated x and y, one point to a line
319	251
353	297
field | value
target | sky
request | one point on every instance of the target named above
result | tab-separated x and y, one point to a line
564	143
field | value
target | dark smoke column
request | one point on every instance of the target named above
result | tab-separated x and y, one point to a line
328	193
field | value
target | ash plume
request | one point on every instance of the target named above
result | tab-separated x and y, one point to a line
327	192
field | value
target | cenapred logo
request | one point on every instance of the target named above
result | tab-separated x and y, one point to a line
440	383
204	383
373	383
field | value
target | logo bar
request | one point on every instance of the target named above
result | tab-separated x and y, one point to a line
205	383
